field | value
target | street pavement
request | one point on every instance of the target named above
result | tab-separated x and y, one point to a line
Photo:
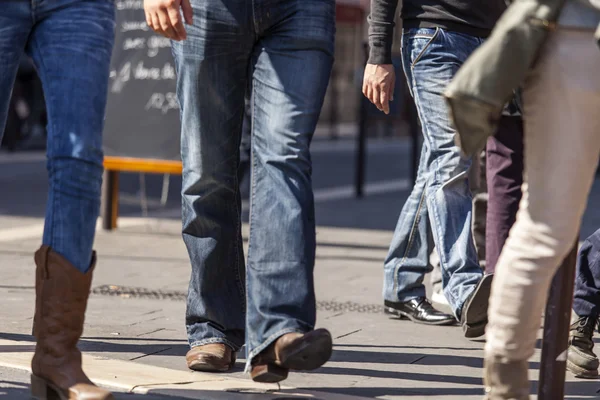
135	339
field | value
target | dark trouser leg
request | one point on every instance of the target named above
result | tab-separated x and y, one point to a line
504	180
587	284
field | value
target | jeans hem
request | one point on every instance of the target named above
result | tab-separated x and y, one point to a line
458	304
267	343
224	341
403	299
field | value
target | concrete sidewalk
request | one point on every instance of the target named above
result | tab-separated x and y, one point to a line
135	336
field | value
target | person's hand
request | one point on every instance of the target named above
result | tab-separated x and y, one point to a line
378	85
164	17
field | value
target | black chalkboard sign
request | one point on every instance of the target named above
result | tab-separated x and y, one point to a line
142	118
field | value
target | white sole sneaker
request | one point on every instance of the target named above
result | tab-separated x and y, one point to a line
439	298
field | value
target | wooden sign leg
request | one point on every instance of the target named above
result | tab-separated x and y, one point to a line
110	200
556	330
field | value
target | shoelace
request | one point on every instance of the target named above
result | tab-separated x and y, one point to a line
585	326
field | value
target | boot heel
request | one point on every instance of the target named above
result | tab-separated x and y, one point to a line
268	373
41	390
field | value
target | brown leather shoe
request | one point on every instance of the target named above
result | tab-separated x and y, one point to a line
61	299
295	351
214	357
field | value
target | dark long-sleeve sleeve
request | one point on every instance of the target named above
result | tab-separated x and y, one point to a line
381	31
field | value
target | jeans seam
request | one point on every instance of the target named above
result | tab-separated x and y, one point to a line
253	169
238	231
213	341
253	353
436	231
255	25
55	203
436	228
410	241
253	174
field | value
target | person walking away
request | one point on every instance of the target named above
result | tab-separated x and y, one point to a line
286	48
70	42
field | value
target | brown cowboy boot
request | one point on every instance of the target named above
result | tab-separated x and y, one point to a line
295	351
506	380
61	299
213	357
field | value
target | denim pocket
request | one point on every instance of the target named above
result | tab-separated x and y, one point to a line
418	42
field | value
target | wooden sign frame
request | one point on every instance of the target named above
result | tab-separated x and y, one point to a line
110	187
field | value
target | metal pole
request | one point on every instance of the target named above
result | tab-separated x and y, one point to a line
143	195
556	330
110	200
359	181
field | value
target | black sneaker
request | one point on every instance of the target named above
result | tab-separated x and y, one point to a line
419	310
582	361
473	316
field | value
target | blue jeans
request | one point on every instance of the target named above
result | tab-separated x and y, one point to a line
70	42
440	200
286	48
587	279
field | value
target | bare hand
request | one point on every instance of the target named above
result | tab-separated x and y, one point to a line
164	17
378	85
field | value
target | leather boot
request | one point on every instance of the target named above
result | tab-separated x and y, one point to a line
295	351
214	357
506	380
62	292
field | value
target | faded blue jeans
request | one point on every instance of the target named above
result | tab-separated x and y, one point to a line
70	42
286	48
441	201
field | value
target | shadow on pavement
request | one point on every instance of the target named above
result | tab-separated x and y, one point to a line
368	357
385	346
579	390
19	391
411	376
98	345
407	392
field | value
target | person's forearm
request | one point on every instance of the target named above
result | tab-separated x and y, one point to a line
381	31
